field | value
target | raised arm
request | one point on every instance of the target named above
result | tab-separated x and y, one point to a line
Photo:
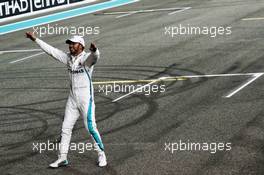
50	50
93	56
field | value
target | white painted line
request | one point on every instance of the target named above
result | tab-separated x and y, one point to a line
31	56
119	98
128	14
19	51
178	11
215	75
135	81
114	13
143	11
255	76
253	19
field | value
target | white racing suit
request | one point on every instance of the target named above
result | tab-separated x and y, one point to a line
81	97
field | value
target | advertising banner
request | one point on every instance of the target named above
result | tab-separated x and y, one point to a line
10	8
14	7
44	4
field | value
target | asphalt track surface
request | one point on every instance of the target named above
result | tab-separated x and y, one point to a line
135	129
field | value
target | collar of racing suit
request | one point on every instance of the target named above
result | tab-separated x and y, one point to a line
76	57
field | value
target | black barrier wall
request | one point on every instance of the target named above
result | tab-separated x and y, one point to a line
10	8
